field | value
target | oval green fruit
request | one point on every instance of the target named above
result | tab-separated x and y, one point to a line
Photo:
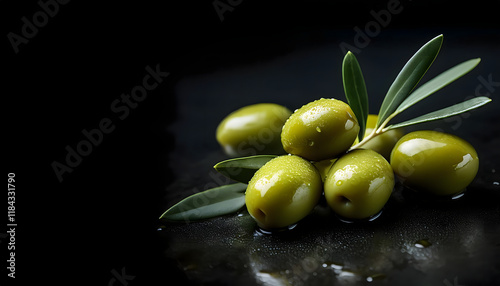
283	191
319	130
324	167
359	184
434	162
253	130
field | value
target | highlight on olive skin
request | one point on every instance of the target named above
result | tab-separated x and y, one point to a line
320	130
359	184
253	130
434	162
283	191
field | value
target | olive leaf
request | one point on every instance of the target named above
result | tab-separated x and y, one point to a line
230	198
445	112
437	83
242	169
208	204
355	91
409	77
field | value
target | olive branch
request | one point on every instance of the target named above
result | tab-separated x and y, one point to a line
401	95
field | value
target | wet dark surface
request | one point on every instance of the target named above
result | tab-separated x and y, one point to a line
416	240
98	226
413	242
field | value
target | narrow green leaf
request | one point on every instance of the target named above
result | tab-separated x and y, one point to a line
437	83
409	77
445	112
355	90
242	169
208	204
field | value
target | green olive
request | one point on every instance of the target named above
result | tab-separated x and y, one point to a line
359	184
283	191
324	166
382	143
320	130
253	129
434	162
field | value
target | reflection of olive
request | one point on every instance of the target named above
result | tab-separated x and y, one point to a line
253	129
283	191
384	142
434	162
359	184
320	130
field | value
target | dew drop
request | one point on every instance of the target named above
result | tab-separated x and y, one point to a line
311	143
333	265
378	276
423	243
318	129
347	273
339	183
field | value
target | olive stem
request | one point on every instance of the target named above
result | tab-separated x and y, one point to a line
384	124
375	132
366	139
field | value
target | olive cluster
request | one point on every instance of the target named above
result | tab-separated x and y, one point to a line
356	183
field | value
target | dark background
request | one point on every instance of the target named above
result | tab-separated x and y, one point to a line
103	216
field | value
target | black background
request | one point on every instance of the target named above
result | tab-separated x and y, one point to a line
103	216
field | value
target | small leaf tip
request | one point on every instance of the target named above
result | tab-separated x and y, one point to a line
439	37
